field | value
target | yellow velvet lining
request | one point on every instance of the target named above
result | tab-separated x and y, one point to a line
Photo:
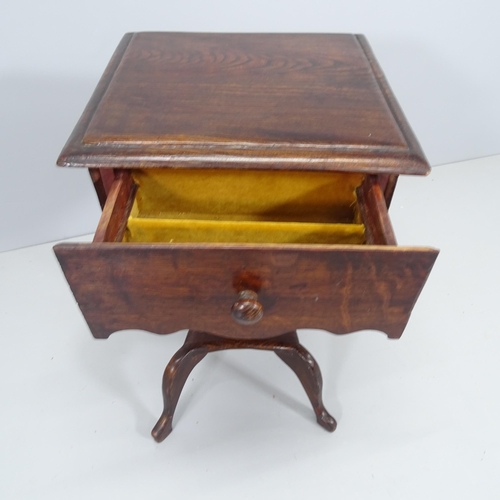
185	231
236	206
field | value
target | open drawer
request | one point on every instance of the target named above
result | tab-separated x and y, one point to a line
175	247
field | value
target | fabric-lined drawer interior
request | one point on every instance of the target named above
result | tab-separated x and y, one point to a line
245	206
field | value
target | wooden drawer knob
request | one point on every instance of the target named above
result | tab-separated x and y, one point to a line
247	310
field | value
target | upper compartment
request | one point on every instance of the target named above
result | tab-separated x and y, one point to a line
245	206
258	101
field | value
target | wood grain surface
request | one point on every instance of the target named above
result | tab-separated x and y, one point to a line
166	288
257	101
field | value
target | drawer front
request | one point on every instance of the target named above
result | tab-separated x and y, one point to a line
164	288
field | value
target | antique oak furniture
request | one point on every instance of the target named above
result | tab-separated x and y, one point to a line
244	181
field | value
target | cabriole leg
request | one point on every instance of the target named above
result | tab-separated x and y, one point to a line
174	378
199	344
300	360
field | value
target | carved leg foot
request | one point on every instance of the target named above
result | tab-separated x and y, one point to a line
300	360
174	378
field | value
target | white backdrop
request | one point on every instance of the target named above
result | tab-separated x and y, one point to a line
442	59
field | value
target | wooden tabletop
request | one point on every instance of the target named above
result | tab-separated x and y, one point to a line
281	101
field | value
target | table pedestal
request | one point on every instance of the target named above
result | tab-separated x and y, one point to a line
199	344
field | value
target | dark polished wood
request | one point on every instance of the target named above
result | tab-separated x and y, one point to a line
389	189
103	179
248	102
378	227
247	310
276	101
166	288
115	212
199	344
